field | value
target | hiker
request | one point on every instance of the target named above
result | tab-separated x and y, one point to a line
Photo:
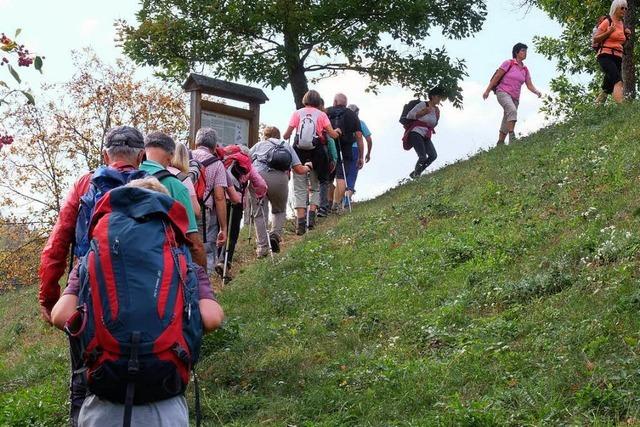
507	82
420	121
352	171
180	168
159	149
343	118
242	176
273	159
609	40
159	378
122	153
214	215
327	188
309	123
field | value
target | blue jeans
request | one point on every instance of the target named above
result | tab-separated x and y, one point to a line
350	168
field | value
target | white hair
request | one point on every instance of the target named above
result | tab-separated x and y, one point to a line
615	4
340	100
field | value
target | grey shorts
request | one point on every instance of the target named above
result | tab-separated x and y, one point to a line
510	107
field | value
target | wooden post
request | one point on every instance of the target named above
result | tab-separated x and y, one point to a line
196	117
254	124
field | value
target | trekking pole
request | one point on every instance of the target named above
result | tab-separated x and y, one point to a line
308	197
250	221
266	230
344	173
227	245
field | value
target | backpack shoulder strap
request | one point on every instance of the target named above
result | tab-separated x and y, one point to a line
162	174
211	160
182	176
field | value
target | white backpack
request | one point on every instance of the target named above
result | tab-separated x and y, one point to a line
306	136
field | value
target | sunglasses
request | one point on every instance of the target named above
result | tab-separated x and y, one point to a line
624	7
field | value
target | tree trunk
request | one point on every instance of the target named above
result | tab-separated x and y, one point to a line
628	63
295	67
299	84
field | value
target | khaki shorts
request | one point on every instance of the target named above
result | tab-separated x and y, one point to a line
510	107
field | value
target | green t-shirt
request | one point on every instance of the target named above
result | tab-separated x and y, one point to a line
176	189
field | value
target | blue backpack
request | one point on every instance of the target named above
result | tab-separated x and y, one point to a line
104	179
138	319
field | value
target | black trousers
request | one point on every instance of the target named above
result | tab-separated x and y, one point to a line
235	219
424	149
318	157
611	66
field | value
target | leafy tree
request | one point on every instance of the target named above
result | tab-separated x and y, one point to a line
14	53
282	42
59	140
574	55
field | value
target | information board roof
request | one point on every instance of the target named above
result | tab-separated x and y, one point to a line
217	87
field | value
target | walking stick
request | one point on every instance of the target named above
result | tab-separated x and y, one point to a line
266	231
344	173
227	245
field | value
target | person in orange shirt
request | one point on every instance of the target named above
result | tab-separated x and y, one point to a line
610	39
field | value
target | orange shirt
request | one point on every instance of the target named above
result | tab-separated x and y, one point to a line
613	44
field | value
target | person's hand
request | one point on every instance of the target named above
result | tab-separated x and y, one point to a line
367	158
332	166
539	94
46	314
485	95
627	32
309	166
339	131
222	238
360	163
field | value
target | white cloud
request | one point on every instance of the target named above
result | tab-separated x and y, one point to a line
88	27
4	4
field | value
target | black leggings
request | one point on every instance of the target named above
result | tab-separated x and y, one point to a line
424	149
611	66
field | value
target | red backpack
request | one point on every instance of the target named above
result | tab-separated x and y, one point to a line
140	325
197	175
235	160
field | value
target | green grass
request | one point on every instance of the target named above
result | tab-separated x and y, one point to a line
501	290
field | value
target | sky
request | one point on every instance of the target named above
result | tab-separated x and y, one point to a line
55	28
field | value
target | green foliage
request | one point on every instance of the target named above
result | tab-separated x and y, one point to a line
573	54
282	42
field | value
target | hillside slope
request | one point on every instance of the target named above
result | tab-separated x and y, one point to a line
499	290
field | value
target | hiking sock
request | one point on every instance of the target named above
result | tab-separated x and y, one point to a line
312	220
302	226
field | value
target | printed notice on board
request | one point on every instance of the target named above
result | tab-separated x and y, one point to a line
231	130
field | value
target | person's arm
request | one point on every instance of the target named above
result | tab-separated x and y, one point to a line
360	149
63	310
55	255
196	206
258	183
196	247
369	146
531	87
234	195
221	212
303	169
494	81
210	311
288	132
68	302
604	31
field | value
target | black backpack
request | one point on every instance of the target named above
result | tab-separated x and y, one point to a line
279	158
405	110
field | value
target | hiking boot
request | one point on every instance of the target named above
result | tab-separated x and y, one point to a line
274	240
219	269
336	209
499	143
322	212
302	226
312	220
262	251
512	137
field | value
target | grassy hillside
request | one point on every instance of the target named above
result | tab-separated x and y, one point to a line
502	290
